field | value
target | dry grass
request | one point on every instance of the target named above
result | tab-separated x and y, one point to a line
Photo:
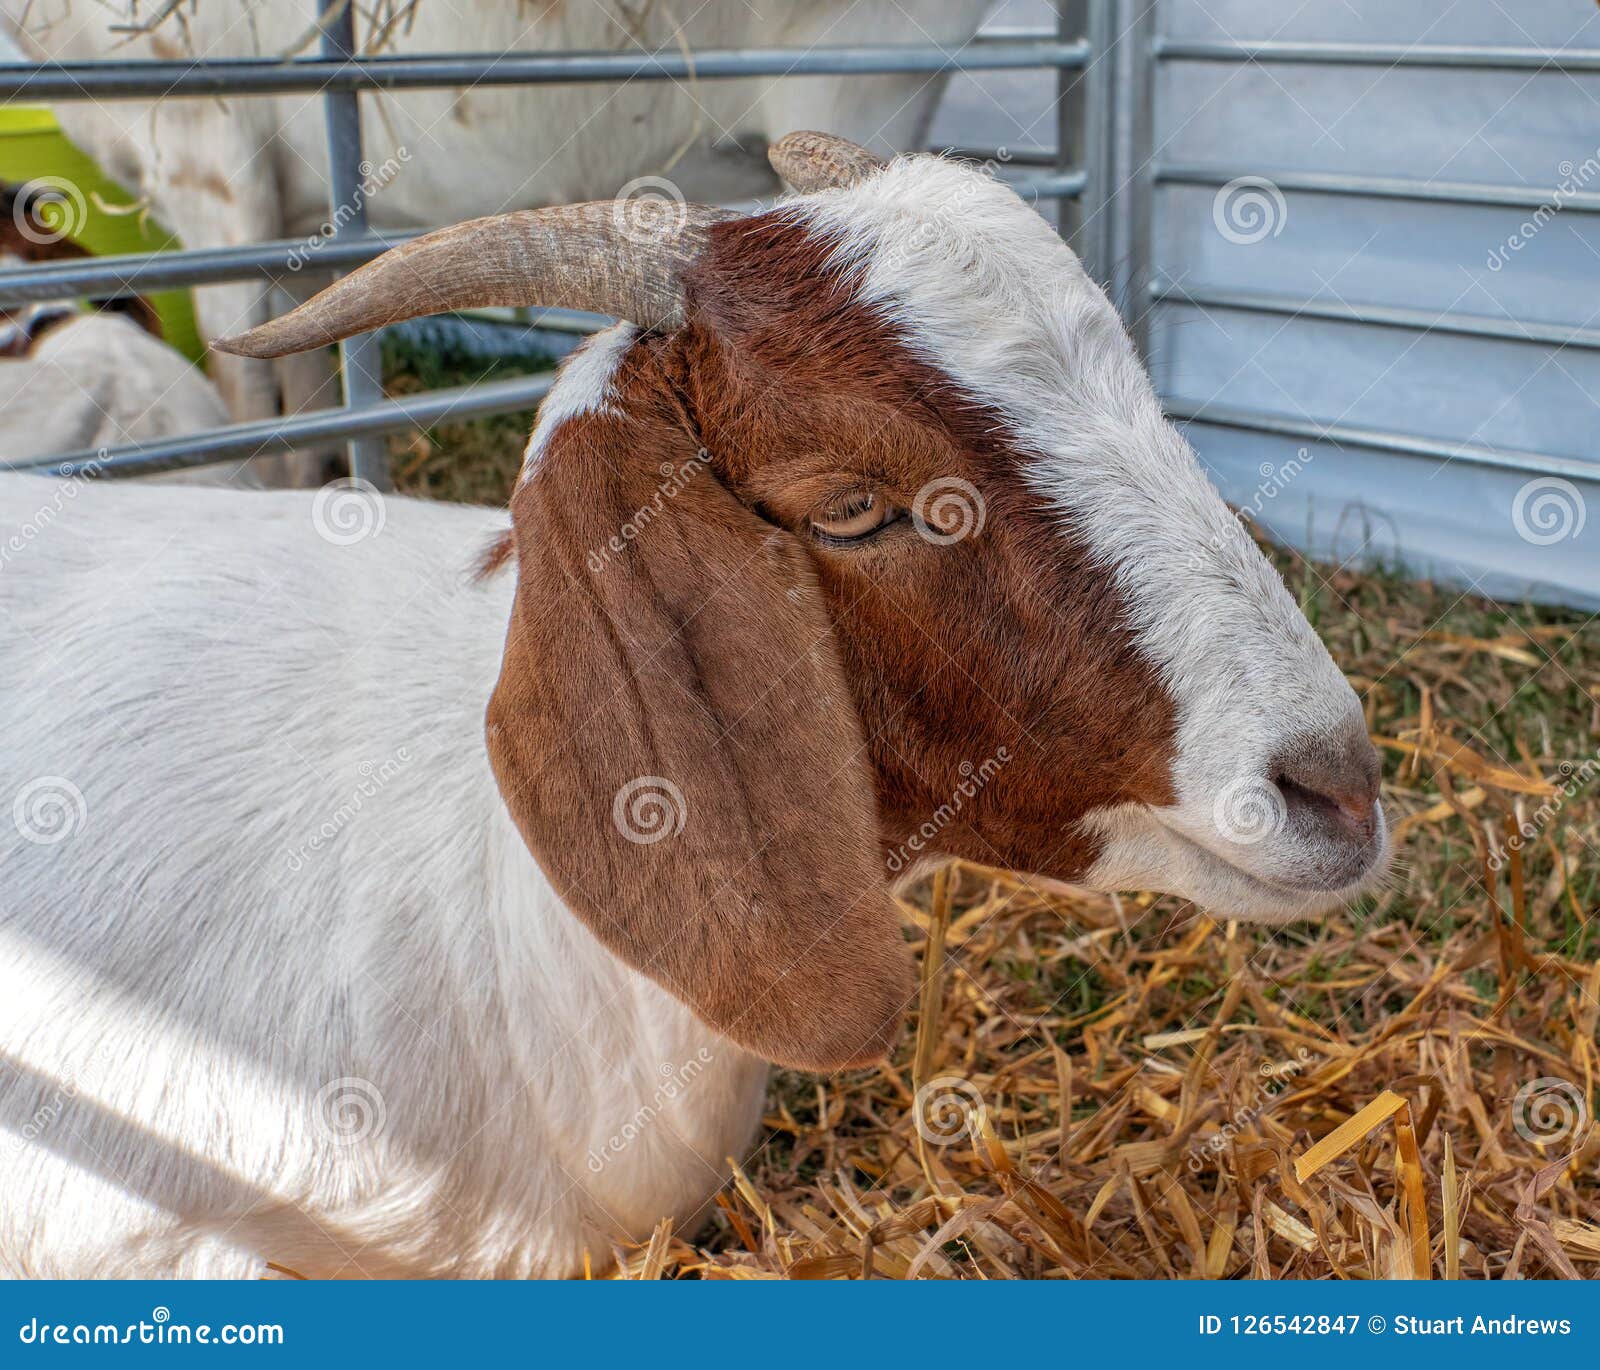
472	462
1135	1088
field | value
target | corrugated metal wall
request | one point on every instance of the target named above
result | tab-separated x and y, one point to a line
1285	200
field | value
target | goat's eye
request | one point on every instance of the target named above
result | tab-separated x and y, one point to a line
853	519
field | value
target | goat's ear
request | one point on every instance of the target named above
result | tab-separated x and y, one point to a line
674	736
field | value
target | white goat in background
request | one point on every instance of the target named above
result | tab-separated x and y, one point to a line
76	376
88	379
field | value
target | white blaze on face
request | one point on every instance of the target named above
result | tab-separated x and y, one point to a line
583	386
987	292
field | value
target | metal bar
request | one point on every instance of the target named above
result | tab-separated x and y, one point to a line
142	272
1383	316
1386	187
1029	156
1378	439
269	436
1098	160
568	320
1082	131
360	357
1132	143
1064	184
1073	145
1017	33
265	76
1492	57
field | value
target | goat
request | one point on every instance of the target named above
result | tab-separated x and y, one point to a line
73	379
868	515
242	171
80	375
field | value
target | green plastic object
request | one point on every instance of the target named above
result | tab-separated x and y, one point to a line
32	146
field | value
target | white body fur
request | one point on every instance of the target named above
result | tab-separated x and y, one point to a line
290	986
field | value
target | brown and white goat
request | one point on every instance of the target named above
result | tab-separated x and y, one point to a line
865	539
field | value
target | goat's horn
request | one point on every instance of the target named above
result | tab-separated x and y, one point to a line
816	161
604	256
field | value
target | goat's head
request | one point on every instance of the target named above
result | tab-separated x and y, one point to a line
873	544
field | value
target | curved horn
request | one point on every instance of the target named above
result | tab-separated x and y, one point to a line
817	161
599	256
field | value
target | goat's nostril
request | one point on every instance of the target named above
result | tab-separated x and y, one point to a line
1354	809
1334	776
1359	810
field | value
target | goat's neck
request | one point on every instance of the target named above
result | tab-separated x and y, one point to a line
641	1103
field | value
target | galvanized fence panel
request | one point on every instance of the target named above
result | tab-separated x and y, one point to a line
1368	238
1069	171
1419	396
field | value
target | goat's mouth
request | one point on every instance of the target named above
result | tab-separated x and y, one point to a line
1275	899
1142	848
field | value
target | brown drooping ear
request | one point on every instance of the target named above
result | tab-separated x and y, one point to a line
674	736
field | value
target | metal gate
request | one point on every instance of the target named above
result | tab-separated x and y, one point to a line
1384	339
1070	172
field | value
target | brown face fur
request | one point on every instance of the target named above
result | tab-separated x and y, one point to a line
1008	638
816	708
